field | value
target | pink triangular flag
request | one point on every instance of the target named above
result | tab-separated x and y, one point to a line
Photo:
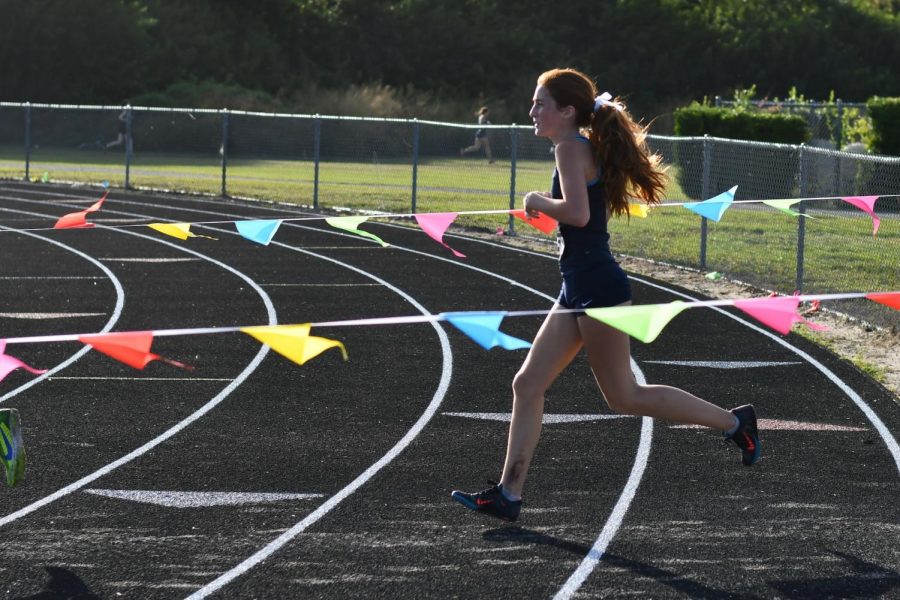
77	219
435	224
779	312
866	204
8	363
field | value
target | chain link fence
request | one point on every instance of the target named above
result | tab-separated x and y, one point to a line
826	121
404	166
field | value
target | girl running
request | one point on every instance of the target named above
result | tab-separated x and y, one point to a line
601	160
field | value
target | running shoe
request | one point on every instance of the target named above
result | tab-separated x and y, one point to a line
491	502
746	437
12	451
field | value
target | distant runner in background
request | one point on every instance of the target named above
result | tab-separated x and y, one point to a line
481	136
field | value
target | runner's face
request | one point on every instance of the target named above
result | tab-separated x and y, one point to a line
549	120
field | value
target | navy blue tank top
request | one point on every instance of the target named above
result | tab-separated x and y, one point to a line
582	246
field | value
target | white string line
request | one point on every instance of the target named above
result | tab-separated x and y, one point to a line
403	320
459	213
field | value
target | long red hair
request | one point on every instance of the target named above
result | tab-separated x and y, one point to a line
628	168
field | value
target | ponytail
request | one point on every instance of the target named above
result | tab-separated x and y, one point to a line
629	169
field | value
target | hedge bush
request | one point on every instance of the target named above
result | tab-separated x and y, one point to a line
885	115
738	165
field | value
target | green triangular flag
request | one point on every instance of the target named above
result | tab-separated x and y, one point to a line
643	322
785	207
351	224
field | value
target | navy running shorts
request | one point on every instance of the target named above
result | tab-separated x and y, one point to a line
596	286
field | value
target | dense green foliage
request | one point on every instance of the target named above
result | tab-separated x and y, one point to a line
885	114
429	56
736	124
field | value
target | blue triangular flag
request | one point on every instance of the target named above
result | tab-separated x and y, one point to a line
260	232
484	329
715	207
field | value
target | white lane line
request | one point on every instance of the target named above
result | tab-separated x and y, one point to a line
37	316
612	524
723	364
549	419
196	415
326	507
110	323
151	260
184	379
321	285
179	499
47	277
787	425
867	410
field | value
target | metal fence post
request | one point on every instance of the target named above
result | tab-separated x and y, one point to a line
513	152
415	162
839	134
801	223
129	117
705	194
317	154
27	139
224	151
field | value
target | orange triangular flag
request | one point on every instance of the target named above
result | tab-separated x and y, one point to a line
77	219
131	348
891	299
541	222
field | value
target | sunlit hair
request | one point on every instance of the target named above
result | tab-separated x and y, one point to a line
628	168
482	111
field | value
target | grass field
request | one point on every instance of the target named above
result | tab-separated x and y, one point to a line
757	244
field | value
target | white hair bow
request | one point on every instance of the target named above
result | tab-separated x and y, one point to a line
605	99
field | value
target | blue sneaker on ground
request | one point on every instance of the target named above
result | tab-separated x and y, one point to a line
12	451
490	502
746	437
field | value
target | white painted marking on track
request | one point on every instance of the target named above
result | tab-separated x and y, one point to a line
614	522
179	499
110	323
879	425
184	379
47	277
196	415
150	260
549	419
37	316
724	364
321	285
610	528
326	507
787	425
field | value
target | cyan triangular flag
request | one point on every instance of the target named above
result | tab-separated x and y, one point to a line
715	207
260	232
484	329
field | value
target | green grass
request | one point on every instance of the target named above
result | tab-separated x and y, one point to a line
757	245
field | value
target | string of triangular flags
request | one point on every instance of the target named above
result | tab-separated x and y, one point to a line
262	231
643	322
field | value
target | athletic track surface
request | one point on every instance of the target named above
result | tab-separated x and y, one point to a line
252	477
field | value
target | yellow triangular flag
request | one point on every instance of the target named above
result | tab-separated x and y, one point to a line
293	341
182	231
636	209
